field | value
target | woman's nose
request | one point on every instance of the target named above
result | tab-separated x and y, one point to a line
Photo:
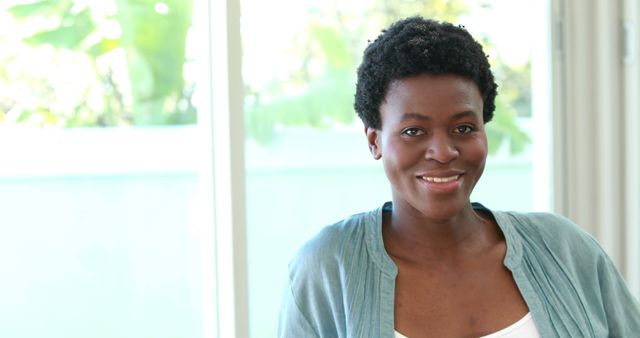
442	149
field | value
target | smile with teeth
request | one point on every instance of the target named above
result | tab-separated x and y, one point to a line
440	179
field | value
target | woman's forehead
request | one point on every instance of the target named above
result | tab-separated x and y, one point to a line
425	89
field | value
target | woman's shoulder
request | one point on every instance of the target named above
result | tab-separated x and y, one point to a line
321	268
546	226
335	243
544	234
559	252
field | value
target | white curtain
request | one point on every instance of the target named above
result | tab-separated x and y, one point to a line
596	123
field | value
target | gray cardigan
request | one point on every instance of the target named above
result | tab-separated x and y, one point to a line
341	283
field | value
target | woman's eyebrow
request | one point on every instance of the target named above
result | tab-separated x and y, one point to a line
456	116
463	114
414	116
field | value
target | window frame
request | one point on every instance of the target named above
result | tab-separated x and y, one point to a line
222	118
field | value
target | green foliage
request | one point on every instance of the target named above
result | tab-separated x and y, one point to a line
155	46
325	98
153	37
102	47
71	32
333	46
515	86
153	91
47	7
503	129
444	10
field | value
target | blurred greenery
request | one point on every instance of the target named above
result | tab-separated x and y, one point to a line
135	50
325	97
149	90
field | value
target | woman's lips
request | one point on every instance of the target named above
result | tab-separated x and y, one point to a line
440	179
441	184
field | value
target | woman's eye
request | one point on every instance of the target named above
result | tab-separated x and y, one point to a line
464	129
412	132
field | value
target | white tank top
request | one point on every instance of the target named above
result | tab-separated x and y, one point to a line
524	328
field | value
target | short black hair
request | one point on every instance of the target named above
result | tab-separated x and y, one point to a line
416	46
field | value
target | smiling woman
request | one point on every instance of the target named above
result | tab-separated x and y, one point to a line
430	262
304	138
437	118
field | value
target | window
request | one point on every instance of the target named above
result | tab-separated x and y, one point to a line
81	64
106	207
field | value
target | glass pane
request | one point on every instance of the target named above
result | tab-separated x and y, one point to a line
307	159
77	63
104	224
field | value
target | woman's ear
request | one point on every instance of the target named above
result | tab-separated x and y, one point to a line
373	139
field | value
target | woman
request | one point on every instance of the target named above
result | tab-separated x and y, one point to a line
430	263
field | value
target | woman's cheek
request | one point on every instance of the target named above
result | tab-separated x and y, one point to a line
478	150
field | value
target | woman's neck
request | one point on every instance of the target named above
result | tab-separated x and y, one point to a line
409	232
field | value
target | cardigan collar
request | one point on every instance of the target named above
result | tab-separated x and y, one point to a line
375	243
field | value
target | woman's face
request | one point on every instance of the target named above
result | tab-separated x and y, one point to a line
432	143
